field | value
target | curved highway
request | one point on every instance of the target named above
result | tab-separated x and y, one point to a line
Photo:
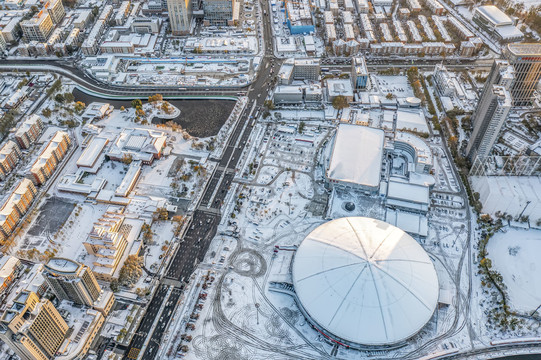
97	88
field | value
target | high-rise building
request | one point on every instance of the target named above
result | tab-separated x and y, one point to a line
526	60
56	10
72	281
488	120
32	328
38	28
180	16
492	109
359	73
218	12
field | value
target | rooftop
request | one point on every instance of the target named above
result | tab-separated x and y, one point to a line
355	270
62	265
494	15
533	49
346	164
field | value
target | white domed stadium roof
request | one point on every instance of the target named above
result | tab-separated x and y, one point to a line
365	281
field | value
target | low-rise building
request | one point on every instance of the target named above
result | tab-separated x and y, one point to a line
349	170
408	196
497	22
435	6
138	144
339	87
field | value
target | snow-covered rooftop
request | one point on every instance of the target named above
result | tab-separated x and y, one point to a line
356	155
365	281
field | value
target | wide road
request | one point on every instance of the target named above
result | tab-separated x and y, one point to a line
97	87
205	220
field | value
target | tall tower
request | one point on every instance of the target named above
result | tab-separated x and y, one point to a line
180	16
72	281
32	328
526	60
491	112
490	116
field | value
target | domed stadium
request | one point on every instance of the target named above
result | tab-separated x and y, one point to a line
364	282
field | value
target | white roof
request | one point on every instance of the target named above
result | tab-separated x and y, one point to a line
356	155
494	15
408	192
365	281
92	152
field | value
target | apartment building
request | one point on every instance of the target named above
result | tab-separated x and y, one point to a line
46	163
10	154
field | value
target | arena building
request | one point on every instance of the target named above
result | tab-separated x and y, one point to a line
364	283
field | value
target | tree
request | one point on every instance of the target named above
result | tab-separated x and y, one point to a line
131	270
69	97
46	112
127	159
79	106
340	102
22	83
55	87
157	97
389	96
147	233
122	108
59	98
162	213
269	104
136	103
114	285
165	107
301	127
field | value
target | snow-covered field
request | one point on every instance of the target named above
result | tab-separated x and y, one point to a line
515	254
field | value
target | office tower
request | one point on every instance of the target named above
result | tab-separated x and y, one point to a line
38	28
180	16
32	328
485	128
218	12
489	118
526	60
72	281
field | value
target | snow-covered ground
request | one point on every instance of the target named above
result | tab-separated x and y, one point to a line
515	254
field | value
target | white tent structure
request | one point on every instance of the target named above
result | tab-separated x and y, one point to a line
365	282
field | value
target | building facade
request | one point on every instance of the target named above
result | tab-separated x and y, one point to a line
10	154
38	28
526	60
72	281
16	207
33	328
46	163
56	10
359	73
180	16
488	119
218	12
